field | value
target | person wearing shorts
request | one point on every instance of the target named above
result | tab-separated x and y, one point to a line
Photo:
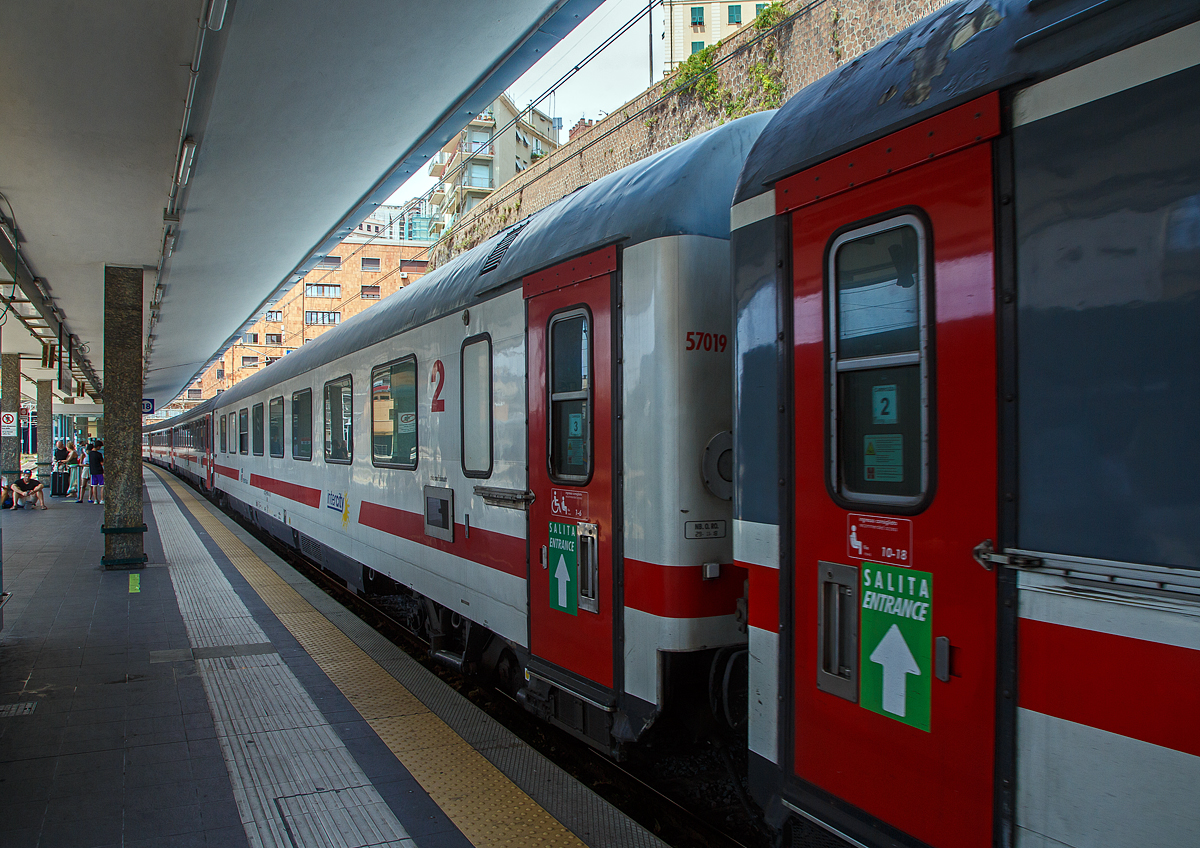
96	470
25	488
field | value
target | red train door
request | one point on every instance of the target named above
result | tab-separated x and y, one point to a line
895	469
570	341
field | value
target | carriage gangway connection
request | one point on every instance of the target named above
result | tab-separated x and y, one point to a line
218	697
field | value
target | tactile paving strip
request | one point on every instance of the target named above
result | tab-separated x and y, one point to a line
295	783
495	789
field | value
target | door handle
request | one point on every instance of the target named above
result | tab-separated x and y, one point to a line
589	567
545	560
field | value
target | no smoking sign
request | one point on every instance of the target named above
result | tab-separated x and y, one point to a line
8	424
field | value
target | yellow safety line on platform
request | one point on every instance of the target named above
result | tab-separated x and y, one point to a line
486	806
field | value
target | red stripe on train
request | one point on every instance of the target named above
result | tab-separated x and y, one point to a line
1131	687
225	471
680	591
291	491
486	547
764	597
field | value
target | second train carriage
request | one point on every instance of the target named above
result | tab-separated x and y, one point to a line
967	272
534	439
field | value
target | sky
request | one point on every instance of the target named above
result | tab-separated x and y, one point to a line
614	77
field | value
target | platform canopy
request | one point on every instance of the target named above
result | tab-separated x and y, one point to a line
223	146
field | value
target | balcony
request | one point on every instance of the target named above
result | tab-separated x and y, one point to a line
437	165
475	149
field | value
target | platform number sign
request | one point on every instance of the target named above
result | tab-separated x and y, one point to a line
147	406
897	643
564	567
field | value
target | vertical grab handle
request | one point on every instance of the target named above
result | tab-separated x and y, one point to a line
837	630
589	567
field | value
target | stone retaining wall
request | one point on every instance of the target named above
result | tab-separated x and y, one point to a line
754	70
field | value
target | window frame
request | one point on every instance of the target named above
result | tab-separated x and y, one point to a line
462	406
730	14
224	434
325	430
258	426
697	15
416	410
563	315
282	426
923	357
305	391
376	259
243	415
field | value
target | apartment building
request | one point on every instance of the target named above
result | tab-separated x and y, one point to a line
689	27
485	155
379	258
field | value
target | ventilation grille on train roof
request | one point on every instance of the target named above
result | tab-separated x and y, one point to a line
493	260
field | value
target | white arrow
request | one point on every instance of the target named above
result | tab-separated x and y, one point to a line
563	575
897	660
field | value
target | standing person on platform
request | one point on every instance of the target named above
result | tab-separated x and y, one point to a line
96	470
60	456
71	463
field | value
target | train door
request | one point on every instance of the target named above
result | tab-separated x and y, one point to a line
895	479
569	320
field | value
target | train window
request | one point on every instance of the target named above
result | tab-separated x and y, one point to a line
339	421
257	430
879	380
570	430
394	414
244	431
477	406
302	430
275	425
224	435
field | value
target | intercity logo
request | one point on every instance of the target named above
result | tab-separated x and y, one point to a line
341	502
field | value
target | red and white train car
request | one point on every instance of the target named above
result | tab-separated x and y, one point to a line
967	274
531	444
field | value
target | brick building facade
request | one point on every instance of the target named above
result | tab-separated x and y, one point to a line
368	266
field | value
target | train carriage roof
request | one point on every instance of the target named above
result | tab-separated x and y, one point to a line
964	50
683	190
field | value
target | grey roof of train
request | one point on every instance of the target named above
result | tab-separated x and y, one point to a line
683	190
962	51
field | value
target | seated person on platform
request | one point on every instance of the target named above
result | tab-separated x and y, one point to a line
25	488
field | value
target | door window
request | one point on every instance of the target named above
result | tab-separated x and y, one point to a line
477	407
570	430
879	380
224	435
244	431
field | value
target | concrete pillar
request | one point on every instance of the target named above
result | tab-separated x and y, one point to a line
10	401
122	395
45	431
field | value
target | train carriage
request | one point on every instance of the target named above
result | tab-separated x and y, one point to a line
532	446
967	281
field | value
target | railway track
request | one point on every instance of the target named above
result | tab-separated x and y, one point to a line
682	789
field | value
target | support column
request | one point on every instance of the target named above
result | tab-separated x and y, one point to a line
10	401
124	523
45	432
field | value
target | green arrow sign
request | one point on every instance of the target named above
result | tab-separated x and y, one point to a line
897	643
564	547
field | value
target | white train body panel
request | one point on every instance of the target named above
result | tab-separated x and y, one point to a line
677	379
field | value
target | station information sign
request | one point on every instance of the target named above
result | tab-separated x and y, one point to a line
897	643
564	567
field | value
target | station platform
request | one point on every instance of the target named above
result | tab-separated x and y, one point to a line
217	697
